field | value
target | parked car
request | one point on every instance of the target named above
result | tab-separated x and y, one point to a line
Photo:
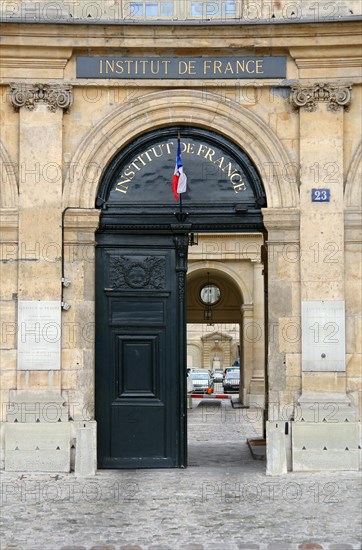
203	371
231	382
218	375
202	382
231	369
190	370
199	369
190	384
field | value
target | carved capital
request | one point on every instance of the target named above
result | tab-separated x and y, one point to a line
308	97
56	96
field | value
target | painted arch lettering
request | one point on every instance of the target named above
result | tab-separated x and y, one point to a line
221	161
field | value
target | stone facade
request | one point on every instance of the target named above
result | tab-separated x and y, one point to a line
59	132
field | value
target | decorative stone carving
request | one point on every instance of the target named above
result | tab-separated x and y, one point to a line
337	97
30	95
131	273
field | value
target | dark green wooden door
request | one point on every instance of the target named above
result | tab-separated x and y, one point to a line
140	284
140	350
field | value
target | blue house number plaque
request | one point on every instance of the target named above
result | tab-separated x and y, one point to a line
321	195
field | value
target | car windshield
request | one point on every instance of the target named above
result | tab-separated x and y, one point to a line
233	374
197	376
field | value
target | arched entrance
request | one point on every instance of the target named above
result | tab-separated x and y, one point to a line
233	329
141	264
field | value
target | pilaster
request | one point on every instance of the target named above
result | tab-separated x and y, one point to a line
353	276
322	270
284	327
258	300
283	253
40	108
321	112
8	302
246	371
77	376
256	395
35	439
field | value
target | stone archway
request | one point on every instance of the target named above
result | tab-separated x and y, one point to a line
192	107
140	274
227	272
169	108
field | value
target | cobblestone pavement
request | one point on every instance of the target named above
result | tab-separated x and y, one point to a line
223	501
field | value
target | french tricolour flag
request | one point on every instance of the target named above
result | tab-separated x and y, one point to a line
179	179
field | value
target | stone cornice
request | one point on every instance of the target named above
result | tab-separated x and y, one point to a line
81	219
78	35
37	63
9	221
55	96
247	309
9	217
329	63
280	219
336	96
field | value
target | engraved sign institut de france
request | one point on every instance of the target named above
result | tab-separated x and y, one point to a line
189	68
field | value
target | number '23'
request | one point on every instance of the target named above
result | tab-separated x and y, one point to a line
320	195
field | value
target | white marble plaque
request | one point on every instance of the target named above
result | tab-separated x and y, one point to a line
39	335
323	335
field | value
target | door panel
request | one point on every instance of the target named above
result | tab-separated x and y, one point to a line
131	431
140	359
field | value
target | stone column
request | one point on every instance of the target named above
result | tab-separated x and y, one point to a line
40	109
284	377
37	432
283	306
256	396
321	108
8	293
353	254
78	341
324	405
246	351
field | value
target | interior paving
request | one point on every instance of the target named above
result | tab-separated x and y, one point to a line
222	501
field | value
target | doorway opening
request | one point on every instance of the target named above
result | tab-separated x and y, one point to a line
225	347
141	286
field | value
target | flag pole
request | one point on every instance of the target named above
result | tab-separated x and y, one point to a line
180	195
